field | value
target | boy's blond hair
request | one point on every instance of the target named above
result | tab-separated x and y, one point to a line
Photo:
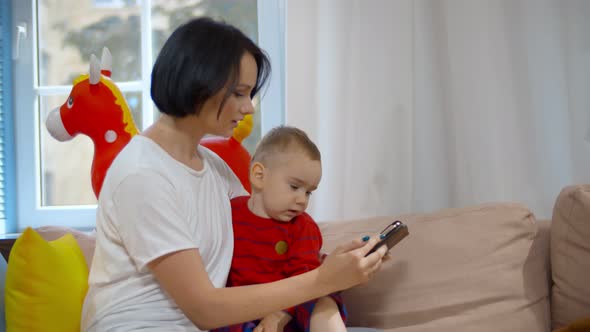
283	139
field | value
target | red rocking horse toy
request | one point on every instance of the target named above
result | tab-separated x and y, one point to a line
96	108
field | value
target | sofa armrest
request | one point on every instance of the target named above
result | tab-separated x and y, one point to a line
570	256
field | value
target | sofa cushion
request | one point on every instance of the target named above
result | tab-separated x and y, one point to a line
478	268
45	284
570	256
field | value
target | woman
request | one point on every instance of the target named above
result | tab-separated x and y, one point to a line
164	238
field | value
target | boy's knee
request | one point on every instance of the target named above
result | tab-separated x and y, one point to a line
325	304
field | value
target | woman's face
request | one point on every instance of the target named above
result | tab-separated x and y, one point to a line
237	105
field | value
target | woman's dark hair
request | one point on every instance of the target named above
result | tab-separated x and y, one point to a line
199	59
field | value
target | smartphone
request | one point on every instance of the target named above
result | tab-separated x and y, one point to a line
391	235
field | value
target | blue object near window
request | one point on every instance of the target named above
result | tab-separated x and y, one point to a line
7	156
3	267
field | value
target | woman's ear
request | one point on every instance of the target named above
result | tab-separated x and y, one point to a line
257	175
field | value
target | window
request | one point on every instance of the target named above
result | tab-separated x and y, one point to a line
53	178
7	202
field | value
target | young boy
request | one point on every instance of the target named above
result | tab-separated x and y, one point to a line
273	236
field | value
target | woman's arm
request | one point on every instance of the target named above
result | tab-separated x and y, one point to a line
182	275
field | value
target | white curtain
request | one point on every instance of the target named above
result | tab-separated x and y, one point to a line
428	104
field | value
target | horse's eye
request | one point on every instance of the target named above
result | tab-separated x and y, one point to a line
70	102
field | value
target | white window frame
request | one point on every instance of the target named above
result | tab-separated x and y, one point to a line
30	212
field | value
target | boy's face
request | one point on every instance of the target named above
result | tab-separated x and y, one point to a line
286	185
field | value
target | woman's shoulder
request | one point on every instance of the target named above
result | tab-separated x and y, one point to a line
140	160
212	158
138	151
208	154
223	172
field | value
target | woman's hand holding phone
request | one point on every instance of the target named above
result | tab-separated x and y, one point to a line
350	265
356	262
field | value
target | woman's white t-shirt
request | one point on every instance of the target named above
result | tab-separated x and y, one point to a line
151	205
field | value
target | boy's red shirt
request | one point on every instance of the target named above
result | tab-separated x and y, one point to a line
267	250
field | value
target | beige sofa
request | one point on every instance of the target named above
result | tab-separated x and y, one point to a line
491	267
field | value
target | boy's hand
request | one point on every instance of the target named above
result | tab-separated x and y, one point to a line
274	322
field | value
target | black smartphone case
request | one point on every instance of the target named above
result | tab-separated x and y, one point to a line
394	233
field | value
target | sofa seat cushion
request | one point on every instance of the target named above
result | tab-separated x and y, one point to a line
570	256
480	268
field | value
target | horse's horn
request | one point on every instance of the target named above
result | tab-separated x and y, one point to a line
106	62
94	72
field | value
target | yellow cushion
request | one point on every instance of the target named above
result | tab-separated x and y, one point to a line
45	284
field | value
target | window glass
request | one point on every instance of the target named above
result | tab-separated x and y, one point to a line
69	31
167	15
65	166
54	47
